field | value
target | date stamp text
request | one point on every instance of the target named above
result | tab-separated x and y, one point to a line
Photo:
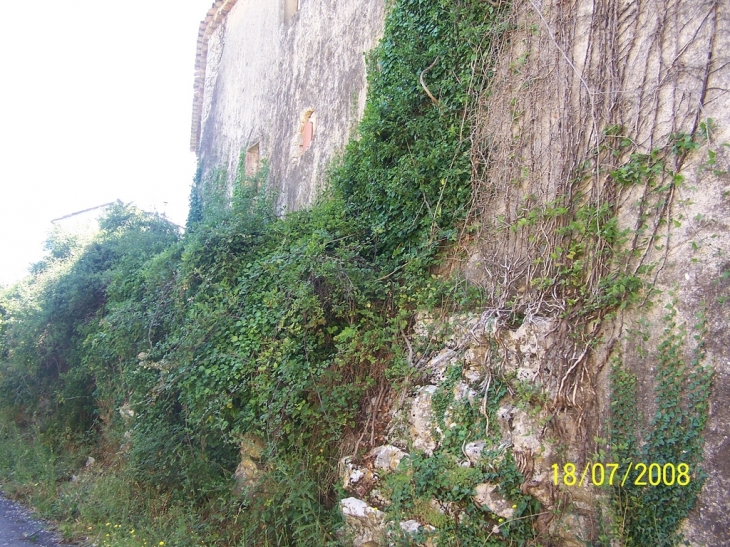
611	474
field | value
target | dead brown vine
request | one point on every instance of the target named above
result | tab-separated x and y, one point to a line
576	92
540	143
423	84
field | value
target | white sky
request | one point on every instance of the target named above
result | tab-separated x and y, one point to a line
95	105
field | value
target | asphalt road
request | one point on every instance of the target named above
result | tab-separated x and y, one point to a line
19	529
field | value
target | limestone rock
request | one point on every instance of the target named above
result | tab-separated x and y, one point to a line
462	390
474	450
353	474
423	325
411	527
525	432
474	358
526	347
247	472
360	513
387	457
464	327
439	364
422	422
486	495
252	446
377	498
472	376
520	429
126	412
475	270
569	530
504	419
364	522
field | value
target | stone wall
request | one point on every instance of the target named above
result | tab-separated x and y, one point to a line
215	16
265	67
570	74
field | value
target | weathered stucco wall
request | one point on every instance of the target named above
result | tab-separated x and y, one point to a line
266	68
213	19
572	72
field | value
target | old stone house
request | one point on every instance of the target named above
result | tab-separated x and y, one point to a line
285	80
281	80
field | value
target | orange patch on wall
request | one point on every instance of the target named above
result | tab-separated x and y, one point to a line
307	135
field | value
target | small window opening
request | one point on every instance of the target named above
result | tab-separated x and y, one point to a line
290	8
303	134
307	132
253	160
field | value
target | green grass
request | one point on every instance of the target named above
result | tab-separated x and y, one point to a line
104	503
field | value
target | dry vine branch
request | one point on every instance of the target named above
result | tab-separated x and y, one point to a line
423	84
540	142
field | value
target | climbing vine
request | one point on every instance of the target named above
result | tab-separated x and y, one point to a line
283	330
652	514
289	333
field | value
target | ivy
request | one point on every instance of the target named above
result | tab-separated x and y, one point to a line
651	515
407	177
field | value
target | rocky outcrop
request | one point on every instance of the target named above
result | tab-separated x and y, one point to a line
461	373
364	523
248	471
488	496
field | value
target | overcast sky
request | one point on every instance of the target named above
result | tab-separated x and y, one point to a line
95	106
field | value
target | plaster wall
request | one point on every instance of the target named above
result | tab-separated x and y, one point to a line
266	68
570	71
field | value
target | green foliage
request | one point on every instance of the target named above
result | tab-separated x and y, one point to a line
407	178
584	264
651	515
108	506
253	325
639	169
439	491
288	510
624	419
208	196
54	310
195	210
